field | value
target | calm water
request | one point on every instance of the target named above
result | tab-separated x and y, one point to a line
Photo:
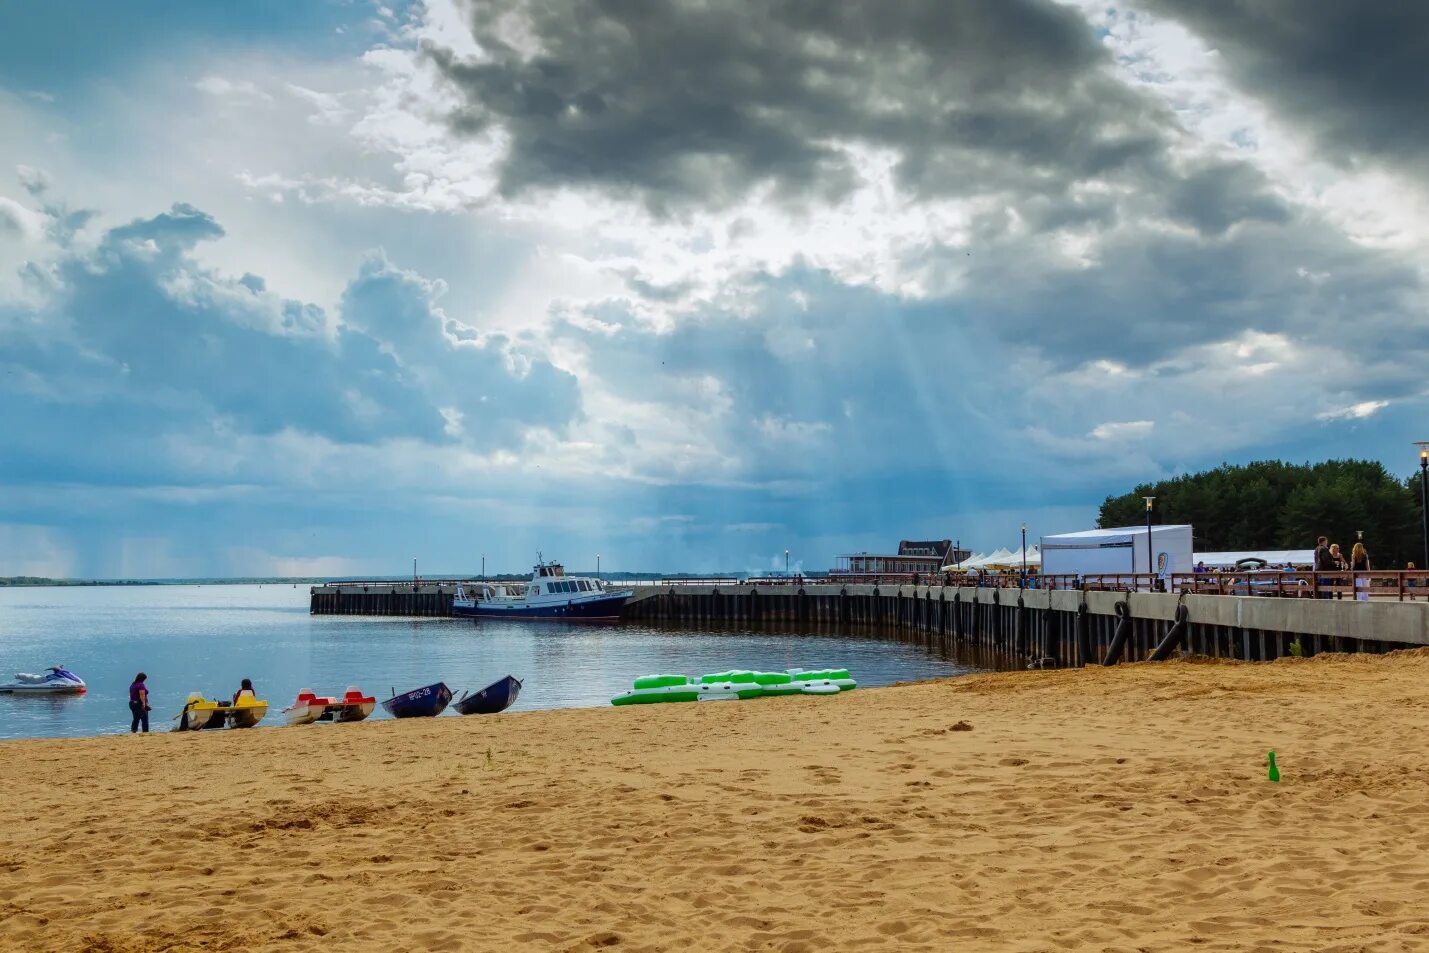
207	638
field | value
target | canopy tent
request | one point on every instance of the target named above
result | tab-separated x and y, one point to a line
1001	559
1121	549
1273	557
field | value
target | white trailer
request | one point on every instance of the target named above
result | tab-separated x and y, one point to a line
1120	549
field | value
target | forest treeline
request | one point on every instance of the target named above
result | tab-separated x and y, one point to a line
1276	505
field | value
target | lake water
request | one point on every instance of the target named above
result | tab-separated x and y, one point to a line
208	638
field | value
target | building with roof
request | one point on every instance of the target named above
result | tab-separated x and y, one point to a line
914	555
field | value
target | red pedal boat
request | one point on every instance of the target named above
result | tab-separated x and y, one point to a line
352	706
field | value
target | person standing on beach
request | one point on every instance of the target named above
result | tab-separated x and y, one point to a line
139	703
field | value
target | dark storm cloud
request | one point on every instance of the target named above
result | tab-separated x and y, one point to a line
681	102
1354	74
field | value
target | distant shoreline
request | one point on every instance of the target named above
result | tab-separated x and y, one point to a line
19	582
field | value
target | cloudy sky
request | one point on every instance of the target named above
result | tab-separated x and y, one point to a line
314	288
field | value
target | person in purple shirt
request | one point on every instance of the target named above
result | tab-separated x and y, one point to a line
139	703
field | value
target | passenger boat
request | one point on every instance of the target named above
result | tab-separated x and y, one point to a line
424	702
550	594
496	697
352	706
201	714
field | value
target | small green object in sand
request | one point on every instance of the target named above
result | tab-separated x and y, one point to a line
1274	771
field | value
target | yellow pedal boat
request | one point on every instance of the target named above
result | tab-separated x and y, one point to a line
201	714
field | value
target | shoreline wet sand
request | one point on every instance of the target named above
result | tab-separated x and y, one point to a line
1095	809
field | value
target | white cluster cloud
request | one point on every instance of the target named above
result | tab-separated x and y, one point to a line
497	254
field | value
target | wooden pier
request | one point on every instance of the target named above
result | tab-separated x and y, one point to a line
1061	628
383	598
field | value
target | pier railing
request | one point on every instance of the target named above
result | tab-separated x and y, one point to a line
1401	585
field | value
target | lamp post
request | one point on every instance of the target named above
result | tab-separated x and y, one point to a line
1150	558
786	564
1423	446
1023	584
597	565
414	570
483	565
958	554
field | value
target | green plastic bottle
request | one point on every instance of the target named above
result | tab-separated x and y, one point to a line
1274	771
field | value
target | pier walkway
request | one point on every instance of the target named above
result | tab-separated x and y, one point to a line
1047	628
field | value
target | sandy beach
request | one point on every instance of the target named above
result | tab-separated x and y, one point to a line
1101	809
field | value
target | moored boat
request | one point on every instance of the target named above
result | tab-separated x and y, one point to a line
308	708
550	594
496	697
196	713
734	685
352	706
199	713
424	702
56	680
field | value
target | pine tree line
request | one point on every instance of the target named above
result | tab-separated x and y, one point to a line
1275	505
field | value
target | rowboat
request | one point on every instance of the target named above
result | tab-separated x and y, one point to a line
424	702
498	696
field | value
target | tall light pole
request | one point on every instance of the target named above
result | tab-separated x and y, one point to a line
414	570
597	565
1150	558
958	554
1024	557
786	563
483	565
1423	446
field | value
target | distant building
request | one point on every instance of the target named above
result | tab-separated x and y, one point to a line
914	555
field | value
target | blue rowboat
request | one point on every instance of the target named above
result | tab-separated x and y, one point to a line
495	697
419	702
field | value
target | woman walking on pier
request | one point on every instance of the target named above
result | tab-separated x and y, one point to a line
1359	562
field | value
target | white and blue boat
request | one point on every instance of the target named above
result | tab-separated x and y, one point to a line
550	594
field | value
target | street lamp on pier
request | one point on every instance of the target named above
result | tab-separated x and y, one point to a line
483	565
1024	557
1423	446
786	564
597	565
414	570
958	554
1150	558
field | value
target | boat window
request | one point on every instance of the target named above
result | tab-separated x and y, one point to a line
583	585
536	589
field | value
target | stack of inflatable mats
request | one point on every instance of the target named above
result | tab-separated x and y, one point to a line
733	686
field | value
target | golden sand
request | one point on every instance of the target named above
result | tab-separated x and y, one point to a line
1102	809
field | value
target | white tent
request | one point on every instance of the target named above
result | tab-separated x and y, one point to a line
1120	549
1003	558
998	558
965	564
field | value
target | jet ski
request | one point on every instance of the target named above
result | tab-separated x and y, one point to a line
58	680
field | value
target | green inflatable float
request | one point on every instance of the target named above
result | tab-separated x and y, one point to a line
735	685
